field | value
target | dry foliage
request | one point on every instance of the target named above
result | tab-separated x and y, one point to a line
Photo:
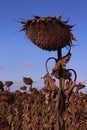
39	110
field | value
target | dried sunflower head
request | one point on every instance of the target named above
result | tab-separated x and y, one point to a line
48	33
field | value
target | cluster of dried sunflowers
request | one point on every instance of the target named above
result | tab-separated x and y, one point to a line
38	110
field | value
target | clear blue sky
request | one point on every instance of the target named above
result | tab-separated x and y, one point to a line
19	57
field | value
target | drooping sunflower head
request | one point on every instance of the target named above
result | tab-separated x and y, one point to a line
48	33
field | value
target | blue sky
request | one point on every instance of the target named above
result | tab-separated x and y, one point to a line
20	57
